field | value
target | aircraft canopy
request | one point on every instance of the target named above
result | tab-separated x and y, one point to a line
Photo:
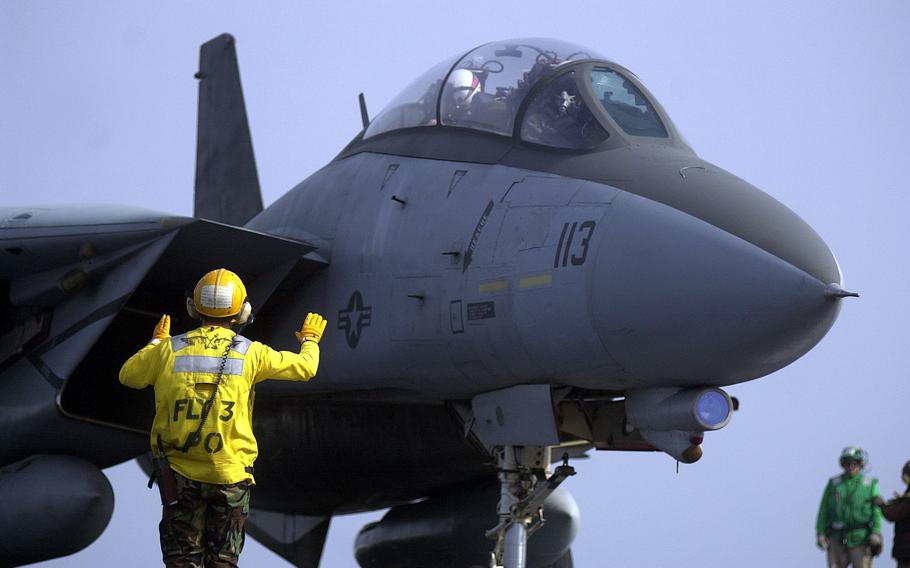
484	89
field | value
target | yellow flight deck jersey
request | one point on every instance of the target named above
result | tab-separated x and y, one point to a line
184	369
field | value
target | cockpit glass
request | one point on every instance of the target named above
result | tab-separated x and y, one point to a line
558	116
414	106
488	85
626	104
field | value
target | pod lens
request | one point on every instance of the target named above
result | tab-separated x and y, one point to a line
712	409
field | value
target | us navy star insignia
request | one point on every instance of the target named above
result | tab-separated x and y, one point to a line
354	318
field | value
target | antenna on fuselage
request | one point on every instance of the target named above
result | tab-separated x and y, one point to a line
364	115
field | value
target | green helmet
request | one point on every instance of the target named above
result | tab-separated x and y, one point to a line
852	453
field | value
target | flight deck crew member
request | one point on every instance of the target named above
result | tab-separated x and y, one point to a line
202	435
897	510
849	525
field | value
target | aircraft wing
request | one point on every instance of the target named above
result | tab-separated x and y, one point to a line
71	276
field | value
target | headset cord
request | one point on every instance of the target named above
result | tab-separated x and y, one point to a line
207	407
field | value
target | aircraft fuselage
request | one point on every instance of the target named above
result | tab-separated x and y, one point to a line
448	279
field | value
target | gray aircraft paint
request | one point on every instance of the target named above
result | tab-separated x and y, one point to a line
634	246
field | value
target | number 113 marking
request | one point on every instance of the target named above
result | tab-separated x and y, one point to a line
588	228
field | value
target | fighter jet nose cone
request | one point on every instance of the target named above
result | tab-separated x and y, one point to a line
678	299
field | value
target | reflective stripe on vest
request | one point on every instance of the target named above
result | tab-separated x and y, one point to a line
202	364
177	342
241	344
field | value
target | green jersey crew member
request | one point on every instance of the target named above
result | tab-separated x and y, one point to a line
849	524
204	384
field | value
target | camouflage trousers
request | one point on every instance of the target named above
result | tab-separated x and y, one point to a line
205	526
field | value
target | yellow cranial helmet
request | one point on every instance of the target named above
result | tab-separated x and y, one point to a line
219	294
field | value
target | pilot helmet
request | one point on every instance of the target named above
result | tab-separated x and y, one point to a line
852	454
220	294
464	85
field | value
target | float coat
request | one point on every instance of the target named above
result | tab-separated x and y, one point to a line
184	371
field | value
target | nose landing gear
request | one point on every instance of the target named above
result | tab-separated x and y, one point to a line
524	486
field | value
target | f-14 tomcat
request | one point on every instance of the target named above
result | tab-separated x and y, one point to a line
521	260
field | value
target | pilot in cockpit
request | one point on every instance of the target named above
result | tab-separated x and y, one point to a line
462	86
470	104
558	117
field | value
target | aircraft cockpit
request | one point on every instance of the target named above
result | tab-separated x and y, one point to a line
547	92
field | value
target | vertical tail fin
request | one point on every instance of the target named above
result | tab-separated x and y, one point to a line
227	185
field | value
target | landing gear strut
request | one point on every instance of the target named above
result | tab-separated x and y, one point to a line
524	486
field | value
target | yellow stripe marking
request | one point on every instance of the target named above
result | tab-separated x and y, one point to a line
494	286
535	281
